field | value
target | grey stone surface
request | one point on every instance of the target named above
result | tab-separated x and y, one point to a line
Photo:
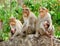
30	40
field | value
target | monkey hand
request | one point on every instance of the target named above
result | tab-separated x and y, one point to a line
11	38
49	35
36	35
50	28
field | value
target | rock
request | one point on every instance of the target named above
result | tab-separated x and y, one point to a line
30	40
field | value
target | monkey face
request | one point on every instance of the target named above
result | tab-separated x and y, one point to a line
12	22
25	12
46	25
43	12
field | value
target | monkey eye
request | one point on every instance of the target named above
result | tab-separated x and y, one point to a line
41	11
25	9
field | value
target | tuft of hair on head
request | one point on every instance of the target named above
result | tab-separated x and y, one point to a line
12	17
44	9
25	7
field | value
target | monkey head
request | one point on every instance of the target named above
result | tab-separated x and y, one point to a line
43	11
26	11
46	24
12	21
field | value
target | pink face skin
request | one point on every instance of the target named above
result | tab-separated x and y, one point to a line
13	30
42	12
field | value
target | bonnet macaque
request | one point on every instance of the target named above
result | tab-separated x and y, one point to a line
16	27
44	20
44	24
29	21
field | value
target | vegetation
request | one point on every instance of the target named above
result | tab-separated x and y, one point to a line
12	8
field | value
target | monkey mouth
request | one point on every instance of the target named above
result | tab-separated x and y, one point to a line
13	31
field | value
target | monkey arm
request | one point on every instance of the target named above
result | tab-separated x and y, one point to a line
33	17
37	29
48	34
15	34
25	26
50	20
37	25
18	30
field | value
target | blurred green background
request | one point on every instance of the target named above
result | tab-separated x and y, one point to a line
14	7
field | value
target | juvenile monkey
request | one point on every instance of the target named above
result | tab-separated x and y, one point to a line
29	21
16	27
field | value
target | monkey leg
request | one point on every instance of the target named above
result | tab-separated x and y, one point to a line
41	32
51	41
42	27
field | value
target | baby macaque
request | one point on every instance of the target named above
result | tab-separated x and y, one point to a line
46	25
49	33
29	21
16	27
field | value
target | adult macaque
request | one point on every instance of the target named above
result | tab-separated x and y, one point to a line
44	16
16	27
44	23
29	21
